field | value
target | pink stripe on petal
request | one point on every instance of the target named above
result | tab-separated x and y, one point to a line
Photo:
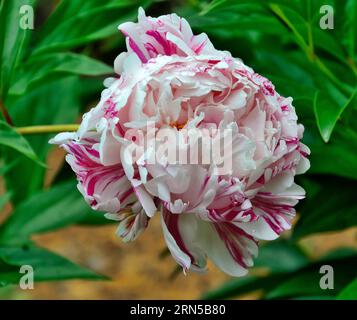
199	48
233	238
171	221
136	49
162	41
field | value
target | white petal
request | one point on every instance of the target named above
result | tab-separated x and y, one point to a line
182	258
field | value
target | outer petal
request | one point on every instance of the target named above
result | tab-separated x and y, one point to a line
230	204
228	246
105	188
180	237
165	35
274	206
131	223
184	259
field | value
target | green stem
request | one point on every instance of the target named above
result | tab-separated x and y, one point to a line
309	49
352	65
48	129
309	29
299	38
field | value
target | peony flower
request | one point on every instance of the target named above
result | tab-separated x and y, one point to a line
174	84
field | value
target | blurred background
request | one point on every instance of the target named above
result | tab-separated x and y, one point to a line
53	73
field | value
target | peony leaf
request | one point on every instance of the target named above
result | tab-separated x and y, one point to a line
39	68
46	265
328	108
54	103
4	199
233	18
349	292
75	22
350	26
306	282
240	286
58	207
301	283
342	144
13	41
11	139
331	208
228	4
281	256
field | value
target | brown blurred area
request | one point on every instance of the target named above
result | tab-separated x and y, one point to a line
136	269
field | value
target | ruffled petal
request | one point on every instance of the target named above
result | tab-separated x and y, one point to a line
274	206
105	188
165	35
180	234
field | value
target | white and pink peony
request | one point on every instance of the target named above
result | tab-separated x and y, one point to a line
175	80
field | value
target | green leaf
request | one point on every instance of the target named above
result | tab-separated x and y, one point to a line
46	265
75	22
327	42
216	5
45	211
306	282
332	208
236	19
13	40
39	68
11	139
248	284
328	107
292	67
350	40
95	218
349	292
301	282
281	256
57	102
340	148
4	199
7	167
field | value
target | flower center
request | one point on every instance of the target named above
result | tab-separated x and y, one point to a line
176	125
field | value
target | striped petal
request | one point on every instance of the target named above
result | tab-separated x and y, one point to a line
105	188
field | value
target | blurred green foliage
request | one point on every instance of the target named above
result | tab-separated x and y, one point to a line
51	74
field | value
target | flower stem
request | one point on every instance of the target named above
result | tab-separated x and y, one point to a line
48	129
309	49
6	115
352	65
311	52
